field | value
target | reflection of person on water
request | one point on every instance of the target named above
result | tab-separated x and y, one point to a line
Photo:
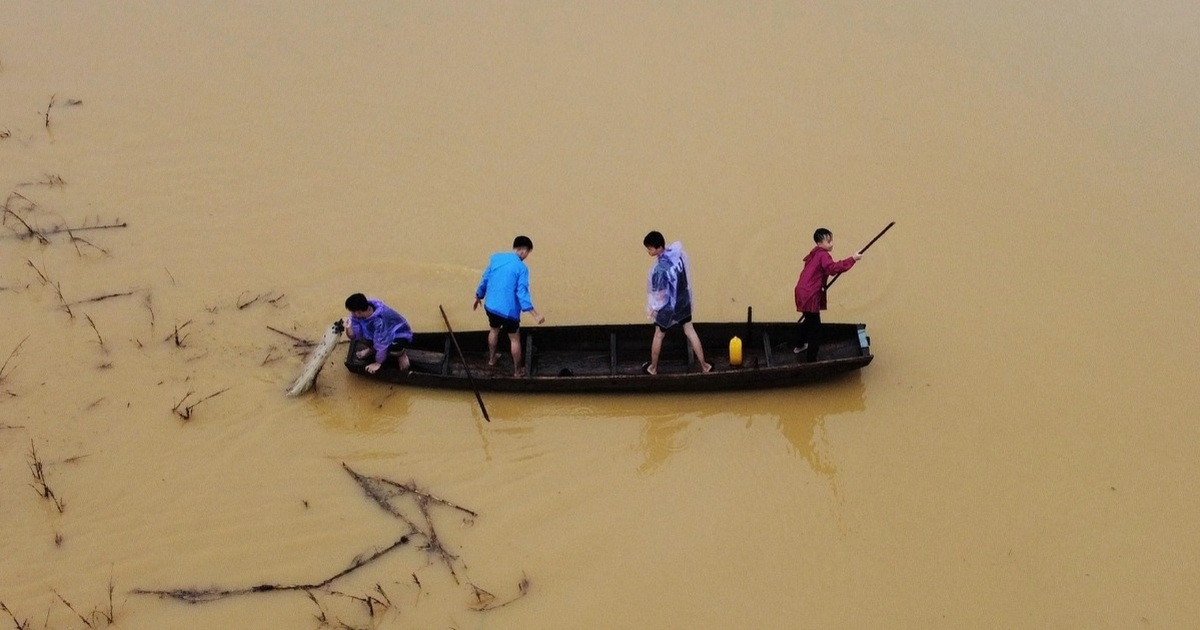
669	297
810	290
382	329
504	292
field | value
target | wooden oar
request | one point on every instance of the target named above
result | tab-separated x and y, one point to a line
877	237
467	368
316	360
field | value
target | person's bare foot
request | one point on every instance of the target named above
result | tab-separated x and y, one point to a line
362	354
519	373
492	359
705	367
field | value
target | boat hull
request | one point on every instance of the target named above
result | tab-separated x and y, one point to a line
609	358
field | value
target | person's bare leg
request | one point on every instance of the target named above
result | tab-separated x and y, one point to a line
656	349
402	359
514	342
493	340
690	332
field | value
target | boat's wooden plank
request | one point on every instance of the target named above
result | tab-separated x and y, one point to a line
612	354
529	355
767	355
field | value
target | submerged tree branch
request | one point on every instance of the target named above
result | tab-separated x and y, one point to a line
197	595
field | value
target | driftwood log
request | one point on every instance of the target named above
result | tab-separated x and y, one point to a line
316	360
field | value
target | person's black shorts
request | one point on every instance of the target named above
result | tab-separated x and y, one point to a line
503	323
664	321
398	345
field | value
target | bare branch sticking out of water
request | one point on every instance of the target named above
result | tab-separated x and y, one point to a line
52	181
382	491
75	240
19	624
66	229
39	478
109	296
29	231
300	342
178	329
54	285
186	412
195	596
4	371
149	307
95	330
373	604
5	134
485	601
72	608
48	107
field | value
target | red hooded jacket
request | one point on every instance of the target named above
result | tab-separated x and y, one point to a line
810	288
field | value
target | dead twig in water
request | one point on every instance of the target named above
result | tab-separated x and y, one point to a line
150	307
485	601
101	298
64	229
39	478
20	625
186	412
72	608
194	596
48	111
51	180
56	286
75	240
4	367
178	329
30	232
382	491
300	341
95	330
108	614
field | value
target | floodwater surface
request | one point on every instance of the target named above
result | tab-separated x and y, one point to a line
1021	453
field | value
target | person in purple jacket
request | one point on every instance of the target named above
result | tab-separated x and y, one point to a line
383	330
810	290
504	292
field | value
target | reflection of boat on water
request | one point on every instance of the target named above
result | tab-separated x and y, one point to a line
609	358
671	424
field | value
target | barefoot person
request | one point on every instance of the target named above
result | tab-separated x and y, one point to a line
504	292
669	297
810	290
383	330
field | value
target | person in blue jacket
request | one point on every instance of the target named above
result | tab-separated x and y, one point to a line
504	292
383	331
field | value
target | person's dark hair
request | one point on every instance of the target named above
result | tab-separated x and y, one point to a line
357	302
522	241
654	239
821	234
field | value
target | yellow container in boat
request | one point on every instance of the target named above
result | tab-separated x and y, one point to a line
735	351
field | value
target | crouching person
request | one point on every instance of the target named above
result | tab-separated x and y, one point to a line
381	329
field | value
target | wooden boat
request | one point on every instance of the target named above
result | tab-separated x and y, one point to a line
609	358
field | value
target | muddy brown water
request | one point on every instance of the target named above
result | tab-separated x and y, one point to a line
1020	454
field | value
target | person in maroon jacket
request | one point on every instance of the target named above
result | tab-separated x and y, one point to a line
810	290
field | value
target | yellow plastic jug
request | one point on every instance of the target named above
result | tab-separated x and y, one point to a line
735	351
